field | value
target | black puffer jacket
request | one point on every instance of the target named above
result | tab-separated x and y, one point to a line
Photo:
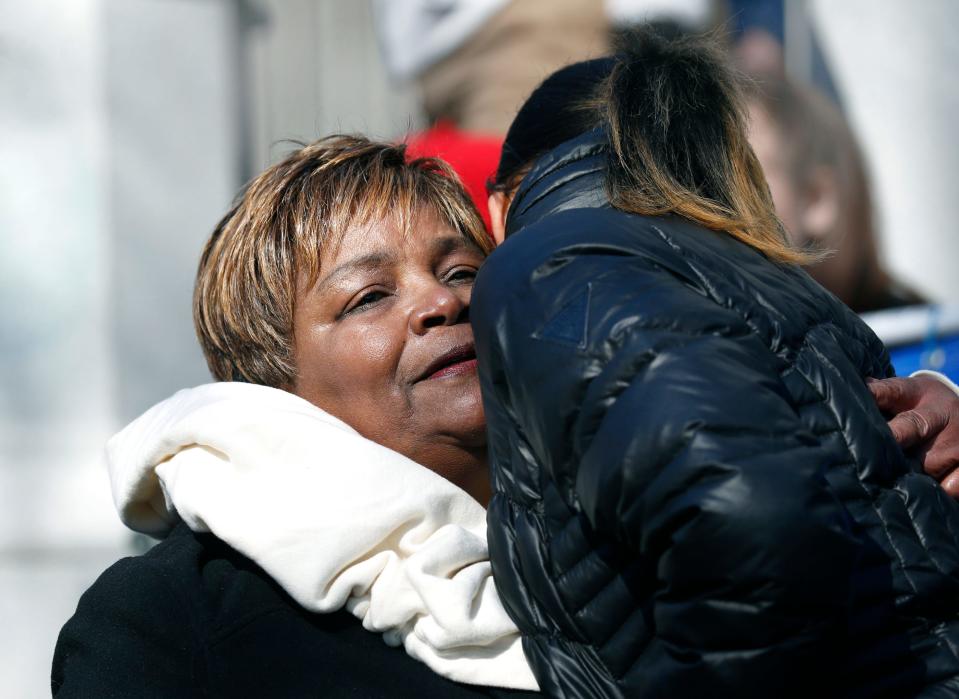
695	495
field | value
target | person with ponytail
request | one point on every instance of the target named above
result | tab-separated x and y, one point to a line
694	492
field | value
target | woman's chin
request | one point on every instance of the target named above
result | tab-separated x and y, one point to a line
455	406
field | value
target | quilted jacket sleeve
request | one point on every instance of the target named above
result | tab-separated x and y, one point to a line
661	417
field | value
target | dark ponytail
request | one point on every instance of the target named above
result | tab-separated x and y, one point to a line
677	130
676	123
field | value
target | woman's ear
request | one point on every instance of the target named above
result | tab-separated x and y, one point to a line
498	205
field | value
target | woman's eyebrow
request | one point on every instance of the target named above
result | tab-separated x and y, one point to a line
450	244
363	263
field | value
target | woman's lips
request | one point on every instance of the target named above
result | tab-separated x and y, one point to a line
467	366
454	362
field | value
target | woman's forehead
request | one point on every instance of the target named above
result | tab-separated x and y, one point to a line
387	243
425	231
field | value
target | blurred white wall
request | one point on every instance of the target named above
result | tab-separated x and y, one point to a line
315	69
56	400
895	65
173	137
119	143
56	391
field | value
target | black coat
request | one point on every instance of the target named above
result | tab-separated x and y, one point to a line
194	618
695	495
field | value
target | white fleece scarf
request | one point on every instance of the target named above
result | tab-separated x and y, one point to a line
334	518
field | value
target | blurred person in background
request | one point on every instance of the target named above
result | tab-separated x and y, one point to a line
818	181
474	62
694	493
333	483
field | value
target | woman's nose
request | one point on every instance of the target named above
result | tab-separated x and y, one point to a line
438	305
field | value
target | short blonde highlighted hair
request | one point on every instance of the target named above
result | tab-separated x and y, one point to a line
271	241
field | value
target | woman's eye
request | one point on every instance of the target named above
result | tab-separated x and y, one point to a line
461	274
367	299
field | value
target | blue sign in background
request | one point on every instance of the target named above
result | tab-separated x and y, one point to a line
940	354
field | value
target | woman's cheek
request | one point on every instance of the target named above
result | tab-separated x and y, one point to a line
376	349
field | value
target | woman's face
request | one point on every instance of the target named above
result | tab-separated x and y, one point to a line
382	341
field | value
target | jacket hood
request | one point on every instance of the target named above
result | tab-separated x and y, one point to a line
571	176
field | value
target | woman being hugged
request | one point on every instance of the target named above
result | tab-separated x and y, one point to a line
694	492
327	493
